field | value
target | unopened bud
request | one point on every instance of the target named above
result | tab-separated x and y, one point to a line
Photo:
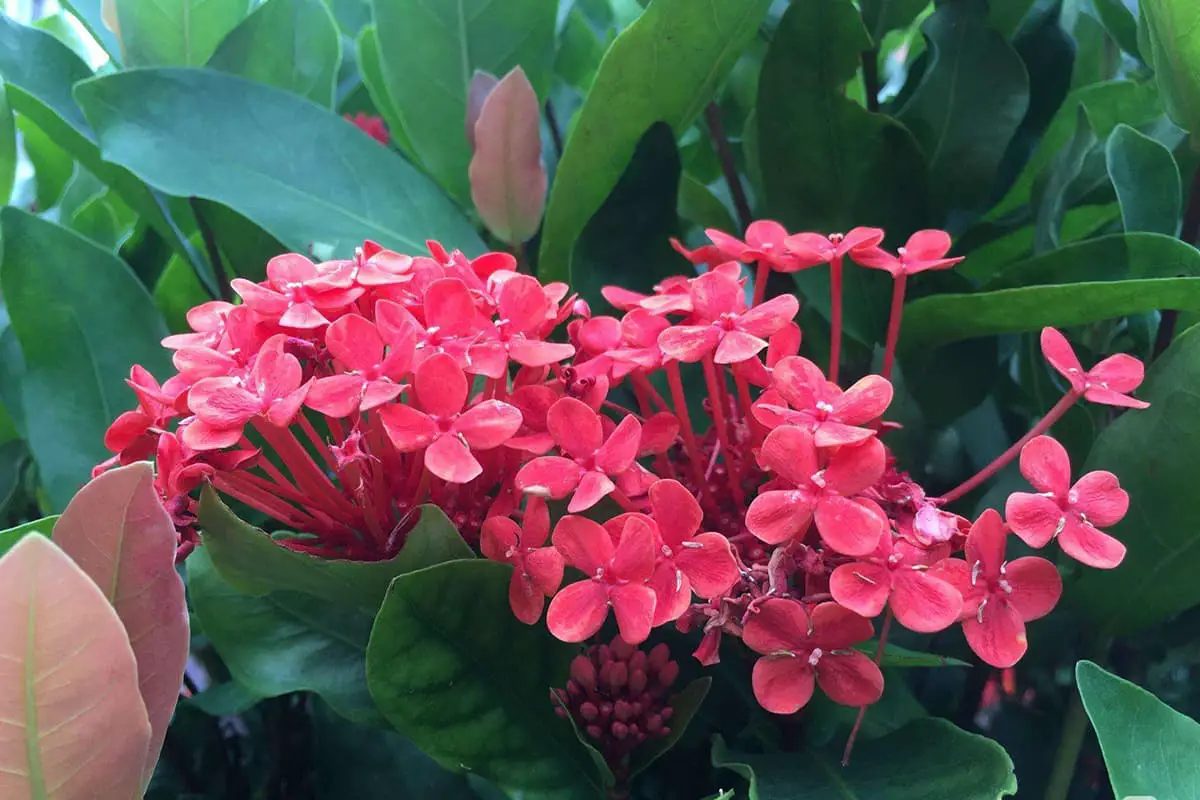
659	656
668	674
622	711
619	730
622	649
619	675
637	681
595	731
583	672
588	711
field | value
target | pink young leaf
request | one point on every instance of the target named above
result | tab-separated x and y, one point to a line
482	84
72	723
508	178
118	533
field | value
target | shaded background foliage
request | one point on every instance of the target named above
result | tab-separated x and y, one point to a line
1049	137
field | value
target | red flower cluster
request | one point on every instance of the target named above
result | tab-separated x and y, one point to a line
340	396
372	126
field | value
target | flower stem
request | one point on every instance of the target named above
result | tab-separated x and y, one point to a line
685	425
717	398
1075	726
862	711
835	317
760	280
893	331
1052	416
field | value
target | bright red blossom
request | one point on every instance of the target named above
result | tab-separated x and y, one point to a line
537	570
1108	383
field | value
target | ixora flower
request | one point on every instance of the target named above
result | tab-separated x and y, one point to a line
340	397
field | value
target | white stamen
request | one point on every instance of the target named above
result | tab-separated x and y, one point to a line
818	478
975	570
815	656
860	576
693	545
1005	586
1062	523
823	406
979	613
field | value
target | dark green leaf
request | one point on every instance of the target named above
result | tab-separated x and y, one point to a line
180	33
896	656
1146	178
367	50
607	779
177	292
1118	20
224	699
701	207
1175	56
1074	171
928	759
58	26
43	526
684	705
12	368
1152	451
1149	748
985	262
285	641
579	51
968	105
8	148
1007	16
429	51
53	167
881	16
688	54
14	456
250	560
289	44
455	672
246	156
79	339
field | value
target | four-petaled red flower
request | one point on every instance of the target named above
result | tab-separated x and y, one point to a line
999	596
441	427
765	241
925	250
371	377
1108	383
896	575
1072	513
821	407
299	291
616	578
799	649
537	570
811	249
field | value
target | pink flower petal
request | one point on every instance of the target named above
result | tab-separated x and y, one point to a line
769	317
672	591
838	628
355	342
676	511
789	452
337	396
799	381
497	537
578	611
777	625
986	544
303	316
536	524
715	293
584	544
634	557
264	301
1088	545
810	248
924	603
451	460
851	679
1033	517
1120	373
689	343
488	424
200	435
854	468
1000	638
737	346
707	561
408	428
1036	587
1108	397
861	587
1099	496
850	527
223	403
575	427
544	565
1057	350
833	434
441	385
526	600
549	476
450	308
593	487
1045	464
620	449
378	392
864	401
782	684
534	353
633	606
777	516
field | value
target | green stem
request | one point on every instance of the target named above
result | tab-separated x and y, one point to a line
1075	727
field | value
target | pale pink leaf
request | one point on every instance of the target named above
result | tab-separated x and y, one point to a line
481	86
117	531
72	723
508	178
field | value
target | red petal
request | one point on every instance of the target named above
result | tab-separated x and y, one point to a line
535	528
1045	464
583	543
923	603
1033	517
497	537
1120	373
777	516
1000	639
303	316
860	237
769	317
1087	545
957	573
927	245
534	353
850	527
578	611
689	343
1099	496
1110	398
441	385
676	511
810	248
672	591
126	429
777	625
549	476
262	300
451	460
544	566
199	435
1036	587
282	412
593	487
658	434
408	428
986	543
617	453
715	293
789	451
765	232
633	606
575	427
1057	350
523	303
851	679
861	587
450	308
737	346
837	628
634	557
864	401
488	424
291	268
223	403
707	561
354	342
833	434
336	396
854	468
378	392
527	600
782	684
798	380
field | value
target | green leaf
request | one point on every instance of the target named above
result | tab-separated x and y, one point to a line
91	14
367	50
255	564
1118	20
688	54
1147	181
928	759
79	339
14	456
181	33
290	44
972	97
986	261
1152	451
881	16
225	699
285	641
1104	278
58	26
53	167
430	50
580	51
896	656
8	148
455	672
1175	56
1007	16
43	526
246	156
177	292
607	779
1149	748
701	207
684	707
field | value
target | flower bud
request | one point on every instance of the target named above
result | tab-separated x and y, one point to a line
583	672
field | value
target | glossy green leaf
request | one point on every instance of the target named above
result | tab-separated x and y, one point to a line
896	656
928	759
250	560
245	156
1006	17
224	699
684	706
701	207
43	526
57	26
881	16
181	33
430	50
91	14
603	771
579	51
289	44
176	292
285	641
79	339
972	97
53	167
367	51
8	148
1120	24
1097	279
985	262
1149	748
1151	451
1147	181
688	54
1175	56
455	672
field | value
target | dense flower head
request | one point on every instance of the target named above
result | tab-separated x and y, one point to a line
338	397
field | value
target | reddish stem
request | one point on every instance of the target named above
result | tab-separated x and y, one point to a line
685	424
717	399
862	711
893	331
1052	416
760	280
835	317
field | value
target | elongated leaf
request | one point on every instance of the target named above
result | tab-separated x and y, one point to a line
14	457
249	559
456	673
1146	178
1120	24
289	44
928	759
430	50
1151	452
91	14
8	148
985	262
688	54
79	339
9	538
246	155
71	721
896	656
118	532
181	33
881	16
1175	56
968	105
285	641
684	705
508	178
1149	748
367	51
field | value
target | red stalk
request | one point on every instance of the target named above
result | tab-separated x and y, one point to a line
685	424
717	399
862	711
893	332
835	317
760	280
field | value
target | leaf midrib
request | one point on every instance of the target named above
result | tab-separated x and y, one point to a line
33	754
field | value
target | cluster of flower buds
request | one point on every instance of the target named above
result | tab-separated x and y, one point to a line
338	397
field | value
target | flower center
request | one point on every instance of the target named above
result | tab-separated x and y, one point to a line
815	656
